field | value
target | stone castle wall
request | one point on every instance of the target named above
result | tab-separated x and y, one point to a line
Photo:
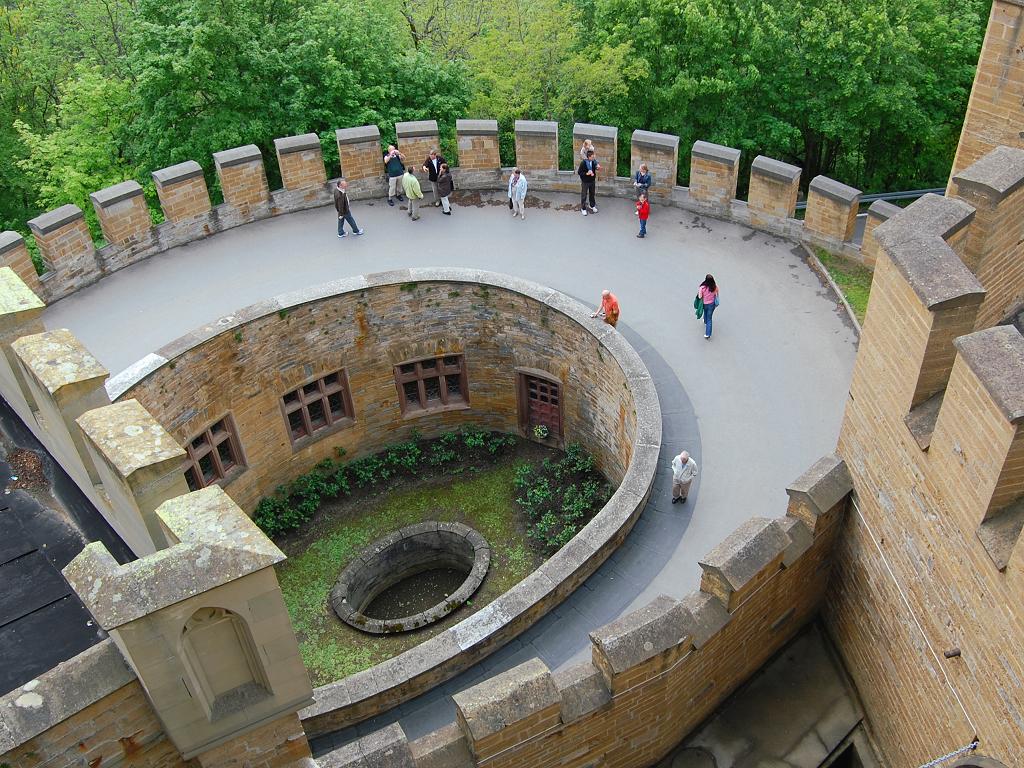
72	260
654	674
930	560
365	327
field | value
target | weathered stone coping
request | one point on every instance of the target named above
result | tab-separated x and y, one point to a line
48	222
357	135
10	240
440	658
996	355
536	128
299	143
775	169
237	156
833	190
116	193
592	131
997	175
387	561
56	695
716	152
416	128
190	169
476	127
656	140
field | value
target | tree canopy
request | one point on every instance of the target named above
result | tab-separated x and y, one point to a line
872	92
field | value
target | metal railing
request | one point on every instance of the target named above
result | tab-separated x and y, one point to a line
911	194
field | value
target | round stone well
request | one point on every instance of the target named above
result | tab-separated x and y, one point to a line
401	556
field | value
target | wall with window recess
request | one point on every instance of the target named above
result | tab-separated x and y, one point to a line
270	369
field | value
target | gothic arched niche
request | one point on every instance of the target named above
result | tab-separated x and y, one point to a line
222	662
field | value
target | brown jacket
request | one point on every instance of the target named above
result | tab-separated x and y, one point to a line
341	202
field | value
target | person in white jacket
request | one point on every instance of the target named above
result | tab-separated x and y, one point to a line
684	469
517	193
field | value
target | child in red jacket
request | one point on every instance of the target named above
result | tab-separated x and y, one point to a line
643	210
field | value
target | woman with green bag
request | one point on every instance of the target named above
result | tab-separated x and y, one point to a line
707	293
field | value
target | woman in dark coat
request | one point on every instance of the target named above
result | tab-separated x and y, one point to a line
445	186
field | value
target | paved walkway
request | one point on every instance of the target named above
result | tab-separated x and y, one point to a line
756	405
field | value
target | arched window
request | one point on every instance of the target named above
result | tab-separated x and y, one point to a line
222	661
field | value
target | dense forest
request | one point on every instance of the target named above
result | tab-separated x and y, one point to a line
94	92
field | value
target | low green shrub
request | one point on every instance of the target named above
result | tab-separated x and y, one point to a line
560	497
293	504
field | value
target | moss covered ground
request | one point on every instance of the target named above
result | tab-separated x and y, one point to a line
482	498
853	279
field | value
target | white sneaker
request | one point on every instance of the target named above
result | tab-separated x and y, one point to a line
584	211
594	209
524	217
514	213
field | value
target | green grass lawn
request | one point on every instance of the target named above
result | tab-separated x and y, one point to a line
483	499
853	279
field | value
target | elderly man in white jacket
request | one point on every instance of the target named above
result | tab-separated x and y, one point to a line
684	469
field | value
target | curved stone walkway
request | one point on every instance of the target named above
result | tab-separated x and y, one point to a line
756	405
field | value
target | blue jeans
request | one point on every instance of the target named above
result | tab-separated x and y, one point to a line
709	310
350	220
643	227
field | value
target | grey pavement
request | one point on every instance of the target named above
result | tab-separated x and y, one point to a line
756	405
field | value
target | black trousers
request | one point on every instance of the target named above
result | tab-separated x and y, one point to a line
585	188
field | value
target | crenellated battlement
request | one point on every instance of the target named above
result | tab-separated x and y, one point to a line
73	261
655	673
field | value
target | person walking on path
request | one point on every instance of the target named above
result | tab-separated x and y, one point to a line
344	208
642	181
394	167
432	167
517	193
643	211
707	292
588	182
684	469
411	185
445	186
609	308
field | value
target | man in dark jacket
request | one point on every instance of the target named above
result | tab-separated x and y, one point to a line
344	208
588	182
432	167
394	166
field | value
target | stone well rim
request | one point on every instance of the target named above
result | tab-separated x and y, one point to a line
377	549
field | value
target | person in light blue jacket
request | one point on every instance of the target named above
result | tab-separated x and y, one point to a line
517	193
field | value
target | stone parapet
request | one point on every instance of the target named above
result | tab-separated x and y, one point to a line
182	191
747	558
415	140
773	190
879	212
446	747
386	748
660	631
21	314
478	144
359	152
816	498
139	464
514	706
606	148
536	146
14	254
67	249
993	187
301	160
122	213
66	381
243	179
832	208
714	174
660	152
